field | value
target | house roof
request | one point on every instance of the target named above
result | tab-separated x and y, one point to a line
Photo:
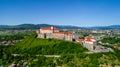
90	39
62	32
80	40
48	28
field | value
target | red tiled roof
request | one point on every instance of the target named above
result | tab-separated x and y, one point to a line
80	40
90	39
115	46
62	32
48	28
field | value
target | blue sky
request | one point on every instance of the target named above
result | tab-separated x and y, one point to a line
60	12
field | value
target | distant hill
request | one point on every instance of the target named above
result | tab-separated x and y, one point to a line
105	27
3	26
37	26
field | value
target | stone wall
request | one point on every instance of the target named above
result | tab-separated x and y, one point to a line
67	37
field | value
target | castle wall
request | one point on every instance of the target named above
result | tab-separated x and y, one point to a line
89	45
49	35
59	36
69	37
40	36
56	36
45	31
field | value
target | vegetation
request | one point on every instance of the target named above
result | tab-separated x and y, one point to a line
12	36
72	54
32	45
111	40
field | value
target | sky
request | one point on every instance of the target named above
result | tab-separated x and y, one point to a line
82	13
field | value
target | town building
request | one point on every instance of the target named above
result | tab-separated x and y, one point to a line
90	43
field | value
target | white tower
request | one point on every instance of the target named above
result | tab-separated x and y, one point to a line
52	29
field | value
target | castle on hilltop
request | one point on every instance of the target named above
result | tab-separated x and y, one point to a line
53	32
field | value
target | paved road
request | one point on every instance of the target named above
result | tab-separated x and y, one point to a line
57	56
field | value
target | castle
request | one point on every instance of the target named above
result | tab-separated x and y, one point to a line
55	33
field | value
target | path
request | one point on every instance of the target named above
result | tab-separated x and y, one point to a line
57	56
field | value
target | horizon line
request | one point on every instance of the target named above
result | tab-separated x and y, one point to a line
59	25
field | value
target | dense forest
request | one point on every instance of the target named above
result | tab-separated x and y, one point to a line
71	54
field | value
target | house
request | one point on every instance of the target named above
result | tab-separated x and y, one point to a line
90	43
116	47
80	40
9	43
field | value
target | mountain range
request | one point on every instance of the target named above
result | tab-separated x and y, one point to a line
37	26
105	27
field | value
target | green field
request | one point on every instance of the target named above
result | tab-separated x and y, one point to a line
5	33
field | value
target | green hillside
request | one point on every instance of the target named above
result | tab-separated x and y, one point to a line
32	45
71	54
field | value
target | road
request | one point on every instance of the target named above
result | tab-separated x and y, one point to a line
57	56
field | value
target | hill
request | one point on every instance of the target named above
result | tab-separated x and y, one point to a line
32	45
37	26
105	27
72	54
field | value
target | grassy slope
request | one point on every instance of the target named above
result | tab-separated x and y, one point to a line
34	45
72	53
